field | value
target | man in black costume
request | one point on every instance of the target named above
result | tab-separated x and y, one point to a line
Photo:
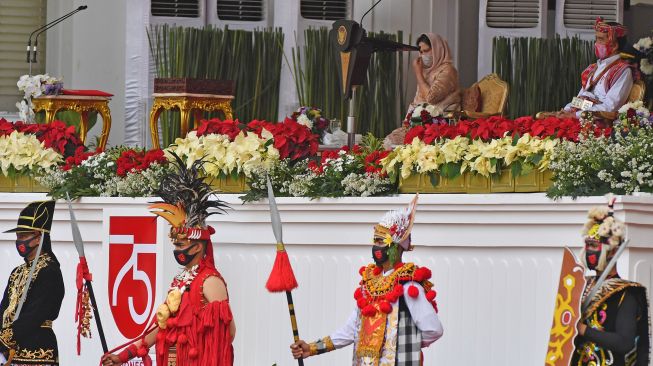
26	335
615	326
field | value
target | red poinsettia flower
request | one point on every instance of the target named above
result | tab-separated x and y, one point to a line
135	160
78	157
6	127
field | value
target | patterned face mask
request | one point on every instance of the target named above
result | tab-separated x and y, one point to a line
23	248
183	257
602	50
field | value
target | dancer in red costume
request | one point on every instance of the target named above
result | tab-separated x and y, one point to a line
194	326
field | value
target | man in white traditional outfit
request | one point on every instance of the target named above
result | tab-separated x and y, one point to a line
396	314
606	84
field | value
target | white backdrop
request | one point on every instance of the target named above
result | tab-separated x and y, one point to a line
495	262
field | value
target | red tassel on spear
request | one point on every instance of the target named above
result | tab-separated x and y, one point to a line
282	278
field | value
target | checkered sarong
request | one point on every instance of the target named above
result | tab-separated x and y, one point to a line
409	338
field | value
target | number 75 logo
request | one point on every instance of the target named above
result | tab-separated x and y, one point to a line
132	272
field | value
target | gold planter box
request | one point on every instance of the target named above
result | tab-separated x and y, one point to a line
228	184
535	181
20	184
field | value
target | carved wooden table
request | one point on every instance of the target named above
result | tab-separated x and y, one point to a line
188	104
51	104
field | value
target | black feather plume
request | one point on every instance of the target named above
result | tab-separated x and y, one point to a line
186	186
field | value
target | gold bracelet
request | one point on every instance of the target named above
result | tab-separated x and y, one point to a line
312	349
329	344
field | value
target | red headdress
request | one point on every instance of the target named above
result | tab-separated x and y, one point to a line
614	31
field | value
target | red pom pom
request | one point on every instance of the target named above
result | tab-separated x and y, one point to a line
369	310
193	352
419	274
358	293
427	273
398	290
377	271
142	351
362	302
171	322
413	291
362	270
182	339
398	265
385	307
430	295
391	297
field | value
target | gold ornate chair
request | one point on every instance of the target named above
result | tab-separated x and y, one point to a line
494	96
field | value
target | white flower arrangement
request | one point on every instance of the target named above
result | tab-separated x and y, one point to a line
644	44
646	66
24	153
430	108
246	154
364	185
622	164
33	87
639	108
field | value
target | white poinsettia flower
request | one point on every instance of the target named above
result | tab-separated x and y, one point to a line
22	151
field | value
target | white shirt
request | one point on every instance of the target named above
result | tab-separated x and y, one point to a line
611	100
421	311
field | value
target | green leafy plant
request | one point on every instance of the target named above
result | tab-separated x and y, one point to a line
543	73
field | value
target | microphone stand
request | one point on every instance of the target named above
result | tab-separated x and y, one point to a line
42	29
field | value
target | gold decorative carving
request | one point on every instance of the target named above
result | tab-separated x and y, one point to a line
187	105
342	35
43	355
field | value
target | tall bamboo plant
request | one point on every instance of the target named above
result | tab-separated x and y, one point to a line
543	73
251	58
381	101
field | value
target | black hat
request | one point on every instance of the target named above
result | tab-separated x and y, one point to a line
37	216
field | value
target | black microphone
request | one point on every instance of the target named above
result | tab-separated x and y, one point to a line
370	9
46	27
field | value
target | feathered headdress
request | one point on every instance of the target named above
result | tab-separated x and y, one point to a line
602	228
186	201
396	225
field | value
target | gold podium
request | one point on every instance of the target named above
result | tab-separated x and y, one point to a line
51	104
187	103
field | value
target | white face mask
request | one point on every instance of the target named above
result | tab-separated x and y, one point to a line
427	60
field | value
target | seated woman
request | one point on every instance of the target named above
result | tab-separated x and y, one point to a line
437	80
